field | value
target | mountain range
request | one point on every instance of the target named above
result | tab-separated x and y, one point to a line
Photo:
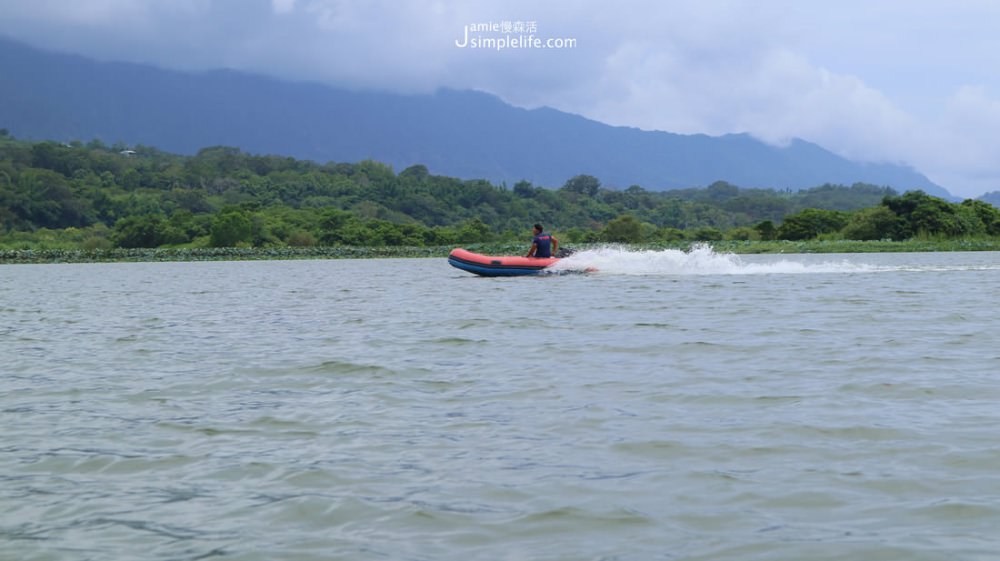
466	134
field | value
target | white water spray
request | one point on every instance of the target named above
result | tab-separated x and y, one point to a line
701	259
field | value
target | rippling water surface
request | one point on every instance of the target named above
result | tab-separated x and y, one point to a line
671	406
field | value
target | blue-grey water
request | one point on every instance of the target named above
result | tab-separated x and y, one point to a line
670	406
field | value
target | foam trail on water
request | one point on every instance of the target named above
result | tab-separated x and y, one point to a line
701	259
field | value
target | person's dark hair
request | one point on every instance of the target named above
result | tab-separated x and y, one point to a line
539	227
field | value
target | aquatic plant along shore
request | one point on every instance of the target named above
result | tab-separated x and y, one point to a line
12	256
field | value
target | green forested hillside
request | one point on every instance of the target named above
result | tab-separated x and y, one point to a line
93	196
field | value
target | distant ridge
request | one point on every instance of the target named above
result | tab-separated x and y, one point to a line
459	133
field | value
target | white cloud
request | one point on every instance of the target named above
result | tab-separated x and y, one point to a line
282	6
796	98
964	154
974	116
111	14
97	12
772	93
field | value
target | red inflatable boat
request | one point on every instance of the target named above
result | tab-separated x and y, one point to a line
504	266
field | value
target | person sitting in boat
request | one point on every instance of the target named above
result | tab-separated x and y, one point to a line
543	245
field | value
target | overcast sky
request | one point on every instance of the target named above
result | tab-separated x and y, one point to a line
914	82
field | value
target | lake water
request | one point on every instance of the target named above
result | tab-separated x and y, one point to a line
673	406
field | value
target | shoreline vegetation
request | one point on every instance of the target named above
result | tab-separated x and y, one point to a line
91	202
122	255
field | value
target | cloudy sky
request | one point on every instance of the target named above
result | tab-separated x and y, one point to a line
914	82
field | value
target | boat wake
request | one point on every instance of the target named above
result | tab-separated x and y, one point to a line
699	260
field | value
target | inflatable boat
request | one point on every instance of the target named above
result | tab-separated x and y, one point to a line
505	266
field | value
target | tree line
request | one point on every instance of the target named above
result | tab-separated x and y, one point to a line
96	196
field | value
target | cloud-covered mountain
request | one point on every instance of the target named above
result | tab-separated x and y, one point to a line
459	133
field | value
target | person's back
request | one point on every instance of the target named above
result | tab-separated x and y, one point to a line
543	244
